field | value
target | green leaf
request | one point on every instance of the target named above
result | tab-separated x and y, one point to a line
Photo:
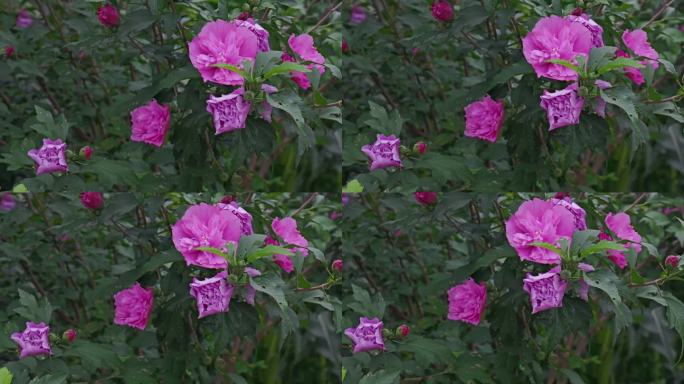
353	186
601	246
267	251
94	354
566	64
599	57
381	377
548	246
57	378
285	67
606	281
573	376
675	316
231	68
214	251
249	245
619	63
237	379
621	97
5	376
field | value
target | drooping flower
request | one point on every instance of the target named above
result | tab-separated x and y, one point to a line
229	112
133	306
284	262
600	103
539	221
577	212
425	198
92	200
303	45
250	293
384	152
546	290
358	15
367	336
34	340
442	10
24	19
258	31
554	37
108	15
621	226
484	119
337	265
51	157
583	286
7	202
595	29
221	42
672	261
562	107
467	301
637	41
205	225
150	123
286	228
244	216
213	294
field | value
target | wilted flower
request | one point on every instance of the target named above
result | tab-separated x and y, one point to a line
546	290
467	302
484	119
554	37
150	123
384	152
562	107
258	31
51	157
578	212
595	29
212	294
539	221
583	286
229	112
367	336
133	306
244	216
34	340
251	292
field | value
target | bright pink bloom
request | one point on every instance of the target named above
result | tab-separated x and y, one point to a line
595	29
206	225
258	31
284	262
228	111
108	15
92	200
637	41
221	42
621	226
133	306
384	152
244	216
34	340
632	73
69	335
24	19
556	38
212	294
546	290
286	228
618	258
358	15
7	202
404	330
672	261
9	51
442	10
337	265
303	45
583	286
51	157
562	107
150	123
420	147
367	336
425	198
467	301
539	221
86	152
577	212
484	119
